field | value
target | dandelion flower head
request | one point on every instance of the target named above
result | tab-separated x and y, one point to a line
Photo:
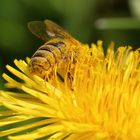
103	103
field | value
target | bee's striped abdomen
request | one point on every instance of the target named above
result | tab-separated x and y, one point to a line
59	45
46	56
54	48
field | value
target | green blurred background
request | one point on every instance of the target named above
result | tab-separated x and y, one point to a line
86	20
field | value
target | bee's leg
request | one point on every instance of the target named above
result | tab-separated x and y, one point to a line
48	74
70	80
46	77
60	77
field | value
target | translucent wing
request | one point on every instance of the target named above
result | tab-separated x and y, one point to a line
48	29
38	28
58	31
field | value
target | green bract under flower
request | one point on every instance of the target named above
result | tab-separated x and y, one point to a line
103	103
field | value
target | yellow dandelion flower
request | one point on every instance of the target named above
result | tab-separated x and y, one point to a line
104	103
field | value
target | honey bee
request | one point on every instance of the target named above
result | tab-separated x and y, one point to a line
59	47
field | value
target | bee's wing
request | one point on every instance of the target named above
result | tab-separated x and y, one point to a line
58	31
55	29
38	28
47	30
